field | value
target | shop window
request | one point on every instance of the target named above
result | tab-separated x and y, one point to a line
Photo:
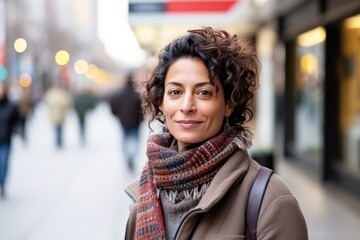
350	95
309	95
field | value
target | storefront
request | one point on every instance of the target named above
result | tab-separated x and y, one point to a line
322	89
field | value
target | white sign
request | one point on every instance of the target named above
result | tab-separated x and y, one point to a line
2	22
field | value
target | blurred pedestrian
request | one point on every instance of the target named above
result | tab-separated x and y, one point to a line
58	101
126	106
84	101
9	119
25	104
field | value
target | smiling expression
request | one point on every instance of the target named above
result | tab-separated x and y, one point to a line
194	108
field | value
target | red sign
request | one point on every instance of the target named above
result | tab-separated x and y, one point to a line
185	11
2	54
183	6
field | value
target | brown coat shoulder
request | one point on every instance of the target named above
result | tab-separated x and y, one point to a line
220	213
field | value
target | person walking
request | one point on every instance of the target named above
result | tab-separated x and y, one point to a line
84	102
9	120
197	179
125	104
58	101
25	105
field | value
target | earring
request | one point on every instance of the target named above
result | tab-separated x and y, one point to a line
165	128
227	125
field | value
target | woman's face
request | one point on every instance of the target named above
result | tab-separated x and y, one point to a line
194	108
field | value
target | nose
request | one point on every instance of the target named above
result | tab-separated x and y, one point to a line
188	104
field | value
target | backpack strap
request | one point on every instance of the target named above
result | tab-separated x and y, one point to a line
256	195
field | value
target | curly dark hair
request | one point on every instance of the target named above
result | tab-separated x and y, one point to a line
233	61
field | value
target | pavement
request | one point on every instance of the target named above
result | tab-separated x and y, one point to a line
77	192
73	193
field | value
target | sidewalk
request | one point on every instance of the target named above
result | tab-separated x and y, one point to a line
77	193
330	214
73	193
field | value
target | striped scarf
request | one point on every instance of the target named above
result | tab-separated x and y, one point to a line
188	172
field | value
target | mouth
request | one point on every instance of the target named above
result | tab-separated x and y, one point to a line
188	123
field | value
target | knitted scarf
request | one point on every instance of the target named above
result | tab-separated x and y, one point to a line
188	172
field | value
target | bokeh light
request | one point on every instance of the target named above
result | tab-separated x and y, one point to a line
92	71
3	73
25	80
62	57
20	45
81	66
309	63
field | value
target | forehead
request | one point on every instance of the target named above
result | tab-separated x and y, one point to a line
187	68
189	63
190	71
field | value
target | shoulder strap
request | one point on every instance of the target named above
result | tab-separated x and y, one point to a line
254	202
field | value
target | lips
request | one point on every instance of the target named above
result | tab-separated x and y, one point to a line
188	123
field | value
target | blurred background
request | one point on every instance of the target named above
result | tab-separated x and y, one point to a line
63	61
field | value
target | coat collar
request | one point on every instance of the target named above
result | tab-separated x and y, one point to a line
232	171
133	189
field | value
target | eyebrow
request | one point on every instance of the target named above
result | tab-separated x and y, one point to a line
200	84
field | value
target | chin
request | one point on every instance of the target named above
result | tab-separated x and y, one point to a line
190	141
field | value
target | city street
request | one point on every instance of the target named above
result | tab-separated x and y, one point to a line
76	193
70	193
296	62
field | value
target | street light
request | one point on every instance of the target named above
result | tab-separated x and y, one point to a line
25	80
81	66
20	45
92	71
62	57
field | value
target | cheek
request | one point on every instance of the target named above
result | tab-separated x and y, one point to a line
169	108
214	115
218	110
218	115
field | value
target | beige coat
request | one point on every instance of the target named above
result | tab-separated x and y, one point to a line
220	213
59	102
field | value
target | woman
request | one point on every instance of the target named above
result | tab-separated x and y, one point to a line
197	179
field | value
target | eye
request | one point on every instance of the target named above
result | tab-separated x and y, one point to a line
205	93
174	92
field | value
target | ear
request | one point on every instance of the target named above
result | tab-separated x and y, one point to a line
229	108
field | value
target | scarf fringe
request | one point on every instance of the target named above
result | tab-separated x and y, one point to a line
176	196
244	141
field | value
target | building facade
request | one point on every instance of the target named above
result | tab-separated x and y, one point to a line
321	89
